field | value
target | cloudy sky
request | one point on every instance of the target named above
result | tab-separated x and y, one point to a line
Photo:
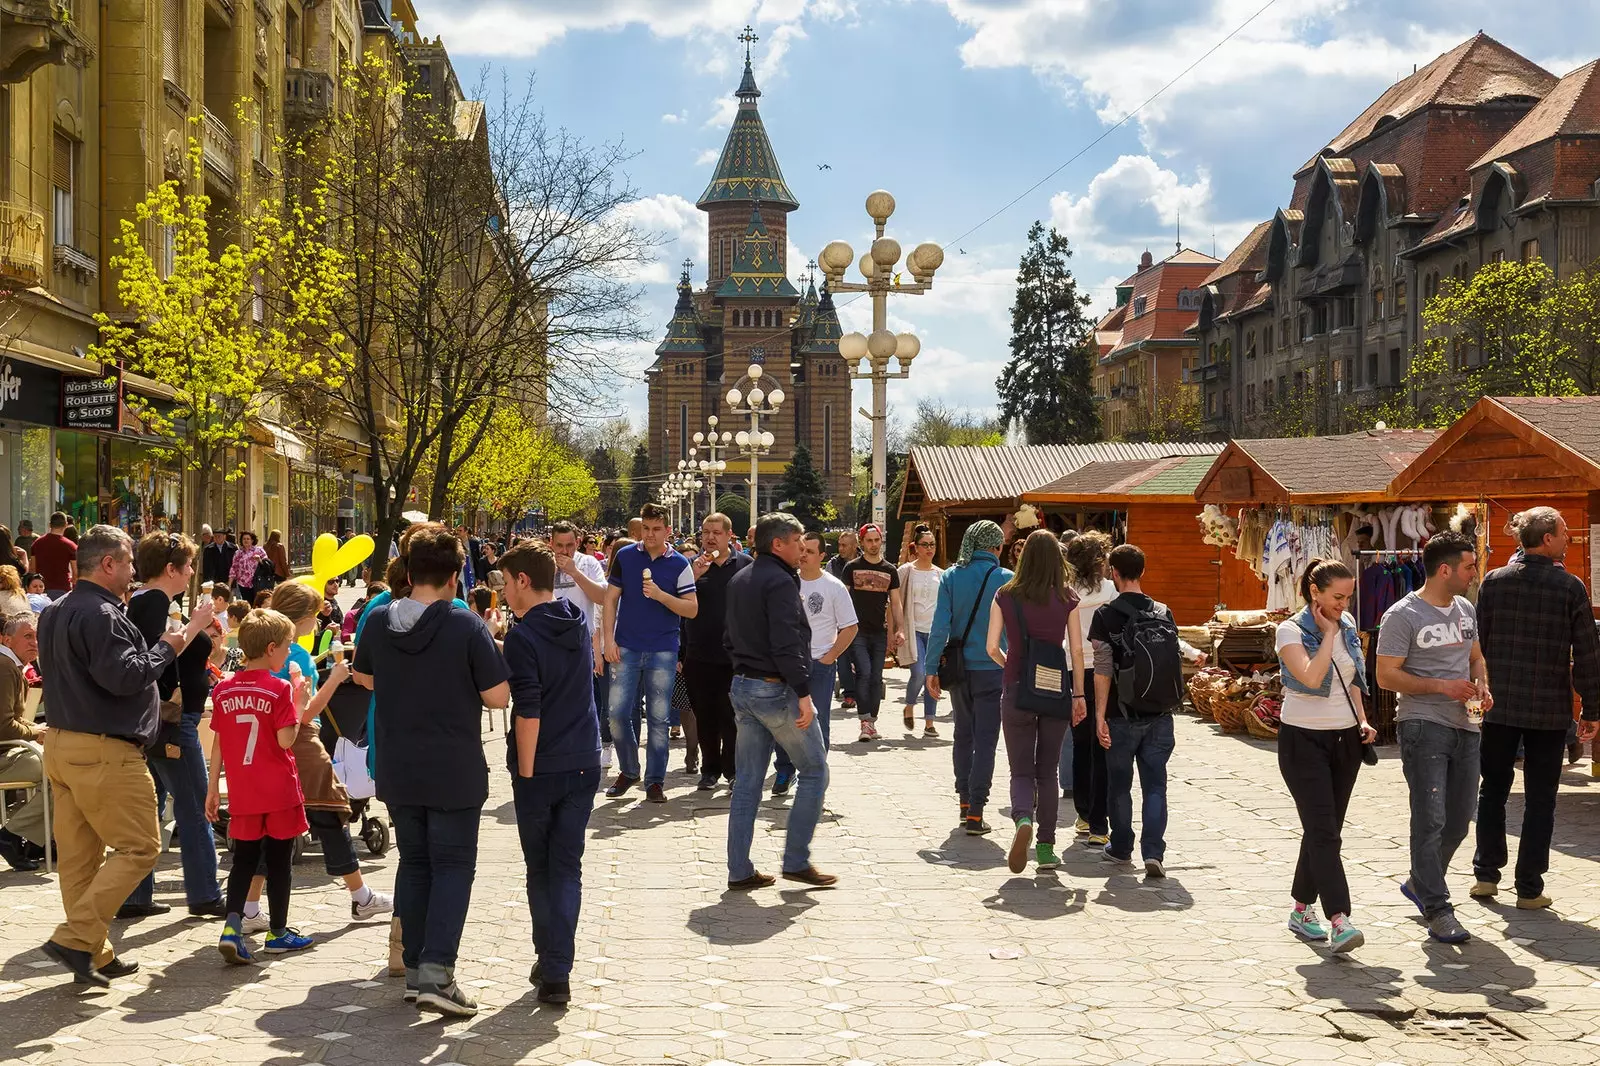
958	106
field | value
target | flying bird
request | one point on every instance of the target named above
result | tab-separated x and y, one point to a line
824	166
963	251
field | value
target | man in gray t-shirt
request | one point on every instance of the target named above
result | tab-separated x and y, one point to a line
1428	655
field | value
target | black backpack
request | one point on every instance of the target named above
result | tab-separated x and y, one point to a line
1149	665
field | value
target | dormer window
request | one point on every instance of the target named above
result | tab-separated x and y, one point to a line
1138	306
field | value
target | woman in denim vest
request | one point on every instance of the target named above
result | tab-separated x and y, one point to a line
1319	744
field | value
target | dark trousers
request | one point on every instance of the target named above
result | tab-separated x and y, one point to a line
713	714
433	886
1144	743
1541	777
1033	750
602	702
867	652
1089	777
1320	768
278	857
976	703
552	817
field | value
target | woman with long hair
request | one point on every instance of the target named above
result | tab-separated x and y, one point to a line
13	601
1036	610
1320	742
919	596
1091	583
278	554
246	562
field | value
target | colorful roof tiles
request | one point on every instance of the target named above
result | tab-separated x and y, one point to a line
758	266
683	332
748	169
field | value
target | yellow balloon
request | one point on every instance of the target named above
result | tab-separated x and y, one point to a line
329	558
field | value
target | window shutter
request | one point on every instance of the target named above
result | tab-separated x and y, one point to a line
61	167
171	15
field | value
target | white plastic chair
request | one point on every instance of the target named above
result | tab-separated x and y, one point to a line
42	784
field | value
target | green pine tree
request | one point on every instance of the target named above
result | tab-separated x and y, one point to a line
737	508
610	511
639	486
1046	385
802	489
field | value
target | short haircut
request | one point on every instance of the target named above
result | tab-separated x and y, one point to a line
264	598
721	519
1535	524
848	533
482	598
99	543
155	551
563	526
26	523
261	629
434	556
221	592
16	623
58	520
652	512
1128	561
1446	549
238	611
296	601
243	533
376	587
533	560
814	536
779	525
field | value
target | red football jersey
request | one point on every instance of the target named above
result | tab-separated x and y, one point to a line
247	710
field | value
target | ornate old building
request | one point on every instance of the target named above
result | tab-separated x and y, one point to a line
1480	155
750	312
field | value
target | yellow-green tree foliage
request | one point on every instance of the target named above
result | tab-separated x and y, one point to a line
226	326
517	464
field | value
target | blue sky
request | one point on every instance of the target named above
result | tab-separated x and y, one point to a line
956	106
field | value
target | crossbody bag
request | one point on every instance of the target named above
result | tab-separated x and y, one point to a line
1369	752
1045	688
952	661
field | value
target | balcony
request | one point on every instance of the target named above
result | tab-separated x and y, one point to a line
219	150
36	33
1124	392
307	96
22	243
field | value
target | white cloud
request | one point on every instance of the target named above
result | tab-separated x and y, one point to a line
675	118
1133	203
707	157
680	228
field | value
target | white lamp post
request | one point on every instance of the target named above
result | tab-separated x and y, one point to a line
716	445
755	442
868	356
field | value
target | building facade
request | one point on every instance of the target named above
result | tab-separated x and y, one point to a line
1313	320
749	312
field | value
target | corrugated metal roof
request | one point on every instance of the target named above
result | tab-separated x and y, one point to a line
976	474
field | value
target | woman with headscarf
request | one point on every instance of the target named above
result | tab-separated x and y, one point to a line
961	623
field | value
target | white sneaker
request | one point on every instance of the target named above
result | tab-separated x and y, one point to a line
258	924
378	904
608	755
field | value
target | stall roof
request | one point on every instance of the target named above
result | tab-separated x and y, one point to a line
976	476
1352	468
1170	480
1512	445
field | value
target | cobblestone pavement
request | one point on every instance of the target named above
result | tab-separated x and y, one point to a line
928	952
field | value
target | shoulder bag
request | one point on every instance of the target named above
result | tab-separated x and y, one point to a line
952	661
1046	687
1369	752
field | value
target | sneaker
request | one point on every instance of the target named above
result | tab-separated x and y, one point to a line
1346	937
1484	889
410	994
258	923
621	785
1080	827
1154	869
608	756
1306	925
866	732
873	727
708	782
1533	903
782	782
1097	840
965	808
928	731
676	732
1117	860
378	904
1044	857
1410	893
446	999
287	941
691	767
1017	857
1445	929
233	948
976	826
848	703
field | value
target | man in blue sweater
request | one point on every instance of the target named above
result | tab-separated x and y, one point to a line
553	753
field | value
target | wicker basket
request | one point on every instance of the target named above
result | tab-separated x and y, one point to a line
1232	712
1259	725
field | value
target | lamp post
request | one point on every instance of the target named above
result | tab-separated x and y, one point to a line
756	441
868	356
714	463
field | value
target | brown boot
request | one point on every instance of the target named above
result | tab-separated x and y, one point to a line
397	962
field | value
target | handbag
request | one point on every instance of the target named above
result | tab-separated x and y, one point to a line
1369	752
1046	687
952	664
350	764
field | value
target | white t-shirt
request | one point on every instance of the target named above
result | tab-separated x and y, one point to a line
828	606
923	597
1088	604
1319	712
567	589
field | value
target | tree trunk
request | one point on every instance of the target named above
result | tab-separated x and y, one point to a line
439	493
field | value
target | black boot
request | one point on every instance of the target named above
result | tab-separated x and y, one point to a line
15	851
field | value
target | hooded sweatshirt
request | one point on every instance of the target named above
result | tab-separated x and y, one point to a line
429	665
552	679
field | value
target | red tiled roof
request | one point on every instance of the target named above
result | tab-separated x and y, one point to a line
1572	108
1159	286
1460	220
1250	255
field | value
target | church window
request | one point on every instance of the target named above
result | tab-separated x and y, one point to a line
683	431
827	437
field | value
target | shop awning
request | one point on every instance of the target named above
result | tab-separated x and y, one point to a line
284	440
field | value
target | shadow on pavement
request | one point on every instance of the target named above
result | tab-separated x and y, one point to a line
743	917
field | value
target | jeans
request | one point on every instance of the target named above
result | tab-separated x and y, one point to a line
1147	743
847	674
916	684
713	713
1320	768
1089	777
653	672
1441	767
765	712
1033	747
867	651
976	704
602	703
185	781
822	678
433	886
552	818
1541	777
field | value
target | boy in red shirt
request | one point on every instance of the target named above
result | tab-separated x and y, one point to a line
255	718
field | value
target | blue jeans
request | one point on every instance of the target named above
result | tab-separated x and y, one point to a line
552	817
184	781
764	713
867	652
1147	743
433	886
976	704
822	678
652	671
847	674
915	684
1441	768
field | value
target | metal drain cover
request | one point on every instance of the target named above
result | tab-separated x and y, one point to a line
1466	1027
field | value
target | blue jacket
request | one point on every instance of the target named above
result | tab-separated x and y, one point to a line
1311	640
958	588
549	656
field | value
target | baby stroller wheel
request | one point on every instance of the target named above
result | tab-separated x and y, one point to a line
375	834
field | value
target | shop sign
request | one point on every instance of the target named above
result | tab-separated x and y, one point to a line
29	392
92	403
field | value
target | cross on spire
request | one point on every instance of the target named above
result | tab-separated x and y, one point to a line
688	265
748	37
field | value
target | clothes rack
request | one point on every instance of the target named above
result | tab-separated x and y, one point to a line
1377	555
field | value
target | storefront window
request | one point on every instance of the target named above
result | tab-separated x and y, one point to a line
77	482
271	491
31	478
313	509
145	488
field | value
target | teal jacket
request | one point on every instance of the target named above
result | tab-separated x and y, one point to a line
958	589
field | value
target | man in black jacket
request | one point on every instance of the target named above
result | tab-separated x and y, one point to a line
769	642
216	558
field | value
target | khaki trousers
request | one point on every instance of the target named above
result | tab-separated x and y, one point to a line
104	798
27	821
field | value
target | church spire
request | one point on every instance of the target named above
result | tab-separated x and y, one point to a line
758	266
683	332
826	330
748	170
